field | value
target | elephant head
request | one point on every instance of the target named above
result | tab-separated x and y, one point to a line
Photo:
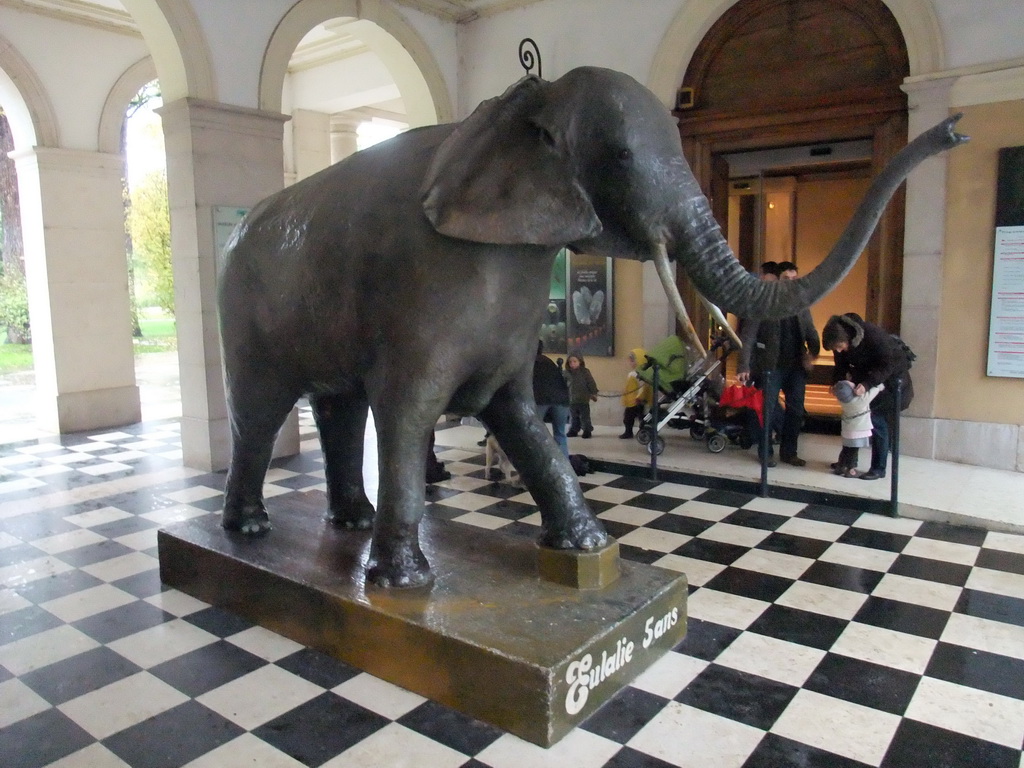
593	161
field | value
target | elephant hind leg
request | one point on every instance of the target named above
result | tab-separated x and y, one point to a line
341	422
257	414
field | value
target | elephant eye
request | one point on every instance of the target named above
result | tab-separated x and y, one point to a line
624	154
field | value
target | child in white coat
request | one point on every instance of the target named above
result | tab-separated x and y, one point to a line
856	427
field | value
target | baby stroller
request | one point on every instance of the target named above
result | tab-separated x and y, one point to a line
688	396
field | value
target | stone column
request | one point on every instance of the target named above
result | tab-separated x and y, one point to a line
924	247
344	141
311	142
217	155
73	218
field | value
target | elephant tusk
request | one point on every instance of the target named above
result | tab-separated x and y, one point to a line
672	293
719	318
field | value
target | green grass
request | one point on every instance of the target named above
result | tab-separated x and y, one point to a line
15	357
157	336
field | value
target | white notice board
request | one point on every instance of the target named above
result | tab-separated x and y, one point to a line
225	219
1006	321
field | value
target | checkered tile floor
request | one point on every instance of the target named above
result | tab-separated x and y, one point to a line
818	637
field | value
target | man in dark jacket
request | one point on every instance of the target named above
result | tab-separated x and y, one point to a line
787	348
552	396
868	355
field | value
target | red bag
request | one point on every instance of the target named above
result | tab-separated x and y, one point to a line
738	396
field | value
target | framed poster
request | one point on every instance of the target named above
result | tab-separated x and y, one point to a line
589	324
553	330
1006	318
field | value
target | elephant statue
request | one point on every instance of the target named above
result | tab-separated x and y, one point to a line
412	279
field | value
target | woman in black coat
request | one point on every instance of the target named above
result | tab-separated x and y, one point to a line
869	355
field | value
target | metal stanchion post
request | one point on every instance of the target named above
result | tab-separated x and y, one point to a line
894	441
766	433
655	413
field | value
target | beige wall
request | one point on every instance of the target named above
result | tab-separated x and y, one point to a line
964	392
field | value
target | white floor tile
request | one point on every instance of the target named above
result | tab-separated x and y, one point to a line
946	551
88	602
885	646
32	570
703	510
613	495
482	520
677	490
120	705
379	696
396	746
100	516
818	598
698	572
253	699
630	515
1008	542
859	557
161	643
735	534
93	756
970	711
771	658
691	738
264	643
930	594
654	540
246	750
670	674
999	582
773	563
122	567
985	635
65	542
579	749
18	701
838	726
723	608
195	493
812	529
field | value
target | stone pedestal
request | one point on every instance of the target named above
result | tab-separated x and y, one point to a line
490	638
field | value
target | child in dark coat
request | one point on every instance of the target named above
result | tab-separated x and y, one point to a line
582	390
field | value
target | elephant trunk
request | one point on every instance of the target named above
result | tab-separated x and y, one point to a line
697	243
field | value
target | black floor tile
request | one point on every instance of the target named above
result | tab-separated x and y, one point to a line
779	752
870	685
631	758
842	577
712	551
629	483
25	622
688	526
978	669
866	537
122	621
318	668
903	617
758	586
509	510
918	744
751	518
19	553
219	622
799	546
958	534
79	674
824	514
40	740
739	696
206	668
725	498
637	555
124	527
985	605
451	728
655	502
931	570
320	729
40	525
705	639
800	627
998	560
142	585
173	738
52	587
624	714
94	553
618	529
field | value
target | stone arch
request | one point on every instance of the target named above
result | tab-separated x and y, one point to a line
179	49
399	46
916	19
112	117
25	101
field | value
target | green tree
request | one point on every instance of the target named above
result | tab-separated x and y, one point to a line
13	298
150	225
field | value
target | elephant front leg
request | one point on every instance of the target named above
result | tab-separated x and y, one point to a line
567	521
396	559
341	422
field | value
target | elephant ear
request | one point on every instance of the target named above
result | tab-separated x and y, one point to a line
500	177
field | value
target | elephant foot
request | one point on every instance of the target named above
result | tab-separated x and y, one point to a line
401	565
250	520
352	515
581	531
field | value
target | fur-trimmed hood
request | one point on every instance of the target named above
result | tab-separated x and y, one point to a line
848	328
